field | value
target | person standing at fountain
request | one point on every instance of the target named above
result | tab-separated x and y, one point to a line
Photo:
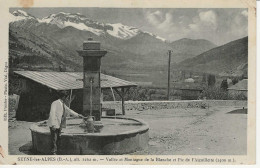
57	119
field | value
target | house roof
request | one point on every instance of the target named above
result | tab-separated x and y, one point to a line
71	80
241	85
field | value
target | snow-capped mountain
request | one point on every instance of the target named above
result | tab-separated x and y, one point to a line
20	15
83	23
77	21
122	31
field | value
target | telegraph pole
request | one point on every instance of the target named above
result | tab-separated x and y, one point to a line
169	75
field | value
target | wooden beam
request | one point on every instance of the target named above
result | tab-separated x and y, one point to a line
118	92
114	98
123	100
70	97
122	95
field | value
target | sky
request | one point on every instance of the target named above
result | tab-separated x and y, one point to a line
218	25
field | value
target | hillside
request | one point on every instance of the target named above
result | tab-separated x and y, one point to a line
228	59
28	50
192	46
51	42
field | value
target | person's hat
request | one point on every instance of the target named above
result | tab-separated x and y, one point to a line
63	93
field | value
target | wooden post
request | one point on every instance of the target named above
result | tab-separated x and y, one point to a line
114	98
122	95
70	97
123	100
169	76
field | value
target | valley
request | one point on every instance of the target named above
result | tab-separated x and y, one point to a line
50	44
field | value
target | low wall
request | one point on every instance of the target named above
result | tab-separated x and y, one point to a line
147	105
227	103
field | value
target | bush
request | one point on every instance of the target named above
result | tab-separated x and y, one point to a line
138	94
237	96
216	93
224	85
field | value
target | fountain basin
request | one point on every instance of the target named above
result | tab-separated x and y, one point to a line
118	136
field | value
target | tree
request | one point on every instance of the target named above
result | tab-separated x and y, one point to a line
224	85
211	80
190	74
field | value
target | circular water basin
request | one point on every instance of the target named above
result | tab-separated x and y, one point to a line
118	136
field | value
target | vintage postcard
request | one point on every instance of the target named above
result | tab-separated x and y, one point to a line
128	82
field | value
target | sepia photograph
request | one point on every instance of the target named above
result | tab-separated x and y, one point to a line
128	81
111	67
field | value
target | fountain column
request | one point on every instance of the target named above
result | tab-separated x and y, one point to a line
92	55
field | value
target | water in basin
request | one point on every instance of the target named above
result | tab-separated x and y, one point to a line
111	126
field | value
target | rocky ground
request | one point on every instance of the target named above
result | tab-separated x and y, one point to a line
190	131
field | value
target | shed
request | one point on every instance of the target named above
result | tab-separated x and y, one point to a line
239	88
38	91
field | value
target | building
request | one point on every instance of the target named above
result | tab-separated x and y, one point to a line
189	80
239	88
39	90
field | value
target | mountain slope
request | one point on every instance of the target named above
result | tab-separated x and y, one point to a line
190	46
29	49
56	38
230	58
144	43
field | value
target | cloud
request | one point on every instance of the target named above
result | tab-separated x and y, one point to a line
154	18
208	17
239	26
182	26
205	21
216	25
162	21
167	23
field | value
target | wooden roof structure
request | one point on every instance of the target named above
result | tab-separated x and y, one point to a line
71	80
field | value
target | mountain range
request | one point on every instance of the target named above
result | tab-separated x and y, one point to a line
230	59
50	42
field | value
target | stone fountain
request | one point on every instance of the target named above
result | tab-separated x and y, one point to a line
95	134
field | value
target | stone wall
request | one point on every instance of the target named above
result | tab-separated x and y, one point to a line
147	105
227	103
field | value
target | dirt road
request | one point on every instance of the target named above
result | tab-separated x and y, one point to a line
172	132
196	132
